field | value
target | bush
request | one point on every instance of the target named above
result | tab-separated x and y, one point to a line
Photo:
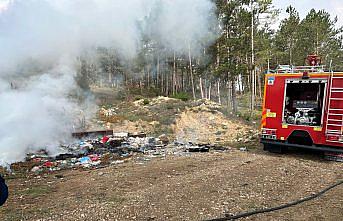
182	96
146	101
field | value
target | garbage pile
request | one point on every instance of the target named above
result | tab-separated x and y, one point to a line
102	150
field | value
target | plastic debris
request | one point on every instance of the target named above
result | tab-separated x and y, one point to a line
48	164
99	150
85	160
35	169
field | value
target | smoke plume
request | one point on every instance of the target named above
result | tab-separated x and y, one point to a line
40	41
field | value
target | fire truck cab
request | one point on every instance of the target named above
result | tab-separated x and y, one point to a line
303	107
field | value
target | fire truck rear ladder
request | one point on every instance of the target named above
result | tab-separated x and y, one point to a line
334	120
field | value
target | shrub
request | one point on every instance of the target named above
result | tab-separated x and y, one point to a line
182	96
146	101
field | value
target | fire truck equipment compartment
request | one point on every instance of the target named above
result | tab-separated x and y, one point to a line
304	103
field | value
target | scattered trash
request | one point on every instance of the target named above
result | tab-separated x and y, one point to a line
118	162
99	148
85	160
105	139
135	135
48	164
121	135
199	148
35	169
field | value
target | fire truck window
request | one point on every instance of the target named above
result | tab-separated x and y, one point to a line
304	103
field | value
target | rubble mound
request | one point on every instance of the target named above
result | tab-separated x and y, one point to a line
200	121
206	124
124	118
136	126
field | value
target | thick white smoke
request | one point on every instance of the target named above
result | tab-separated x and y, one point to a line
39	44
38	115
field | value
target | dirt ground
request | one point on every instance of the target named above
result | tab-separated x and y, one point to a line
191	187
195	186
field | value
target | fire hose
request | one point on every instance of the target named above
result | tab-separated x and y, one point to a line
283	206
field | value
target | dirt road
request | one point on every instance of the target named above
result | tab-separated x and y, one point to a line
196	187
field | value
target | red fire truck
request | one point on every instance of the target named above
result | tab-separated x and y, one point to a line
303	108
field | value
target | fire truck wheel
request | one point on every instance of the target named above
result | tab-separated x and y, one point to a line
273	148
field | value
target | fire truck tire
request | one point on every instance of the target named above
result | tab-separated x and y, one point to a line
273	148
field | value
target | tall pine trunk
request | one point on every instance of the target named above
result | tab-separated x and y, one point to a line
253	75
158	71
209	91
191	71
234	97
201	88
218	90
174	73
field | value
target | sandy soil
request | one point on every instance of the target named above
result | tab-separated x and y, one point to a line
196	187
203	125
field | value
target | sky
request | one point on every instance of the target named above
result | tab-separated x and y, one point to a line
335	7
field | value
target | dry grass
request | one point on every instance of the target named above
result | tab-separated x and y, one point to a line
196	187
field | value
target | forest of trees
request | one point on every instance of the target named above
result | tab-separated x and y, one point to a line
231	67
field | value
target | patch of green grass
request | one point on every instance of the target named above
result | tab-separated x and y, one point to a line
115	199
134	92
182	96
36	191
247	115
10	214
14	214
253	206
133	117
108	197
